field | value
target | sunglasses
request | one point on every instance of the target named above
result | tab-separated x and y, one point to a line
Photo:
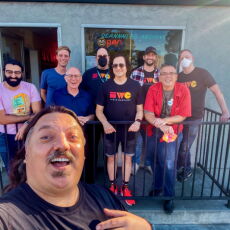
121	65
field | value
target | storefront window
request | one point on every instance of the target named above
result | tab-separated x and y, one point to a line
133	42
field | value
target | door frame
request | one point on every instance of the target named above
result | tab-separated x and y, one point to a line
42	25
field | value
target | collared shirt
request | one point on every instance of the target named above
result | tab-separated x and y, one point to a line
81	104
181	104
139	75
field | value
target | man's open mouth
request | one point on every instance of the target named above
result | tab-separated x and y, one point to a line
60	162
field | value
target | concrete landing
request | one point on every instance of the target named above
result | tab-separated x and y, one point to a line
186	212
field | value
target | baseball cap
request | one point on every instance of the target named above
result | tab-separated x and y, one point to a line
150	49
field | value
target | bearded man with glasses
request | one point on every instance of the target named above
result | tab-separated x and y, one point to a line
19	100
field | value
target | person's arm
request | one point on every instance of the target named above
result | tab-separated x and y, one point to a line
36	107
84	119
135	126
173	119
220	99
123	220
108	128
43	94
12	119
158	122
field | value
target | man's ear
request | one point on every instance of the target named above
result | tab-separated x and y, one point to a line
65	78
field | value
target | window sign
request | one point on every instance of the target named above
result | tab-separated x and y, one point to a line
133	42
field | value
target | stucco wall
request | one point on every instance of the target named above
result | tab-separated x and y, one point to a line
207	28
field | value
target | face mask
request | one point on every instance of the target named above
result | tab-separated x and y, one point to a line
185	62
102	61
13	83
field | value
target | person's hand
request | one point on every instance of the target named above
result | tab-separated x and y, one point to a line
225	117
166	129
121	220
20	133
108	128
82	120
134	127
158	122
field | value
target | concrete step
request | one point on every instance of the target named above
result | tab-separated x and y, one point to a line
186	212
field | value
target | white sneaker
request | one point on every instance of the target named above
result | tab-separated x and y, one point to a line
149	170
135	168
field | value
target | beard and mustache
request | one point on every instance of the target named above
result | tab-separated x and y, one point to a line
152	63
13	82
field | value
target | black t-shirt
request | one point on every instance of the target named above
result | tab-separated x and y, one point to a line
198	81
92	80
23	209
148	81
120	101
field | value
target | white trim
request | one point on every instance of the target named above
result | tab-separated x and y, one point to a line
132	27
83	49
25	24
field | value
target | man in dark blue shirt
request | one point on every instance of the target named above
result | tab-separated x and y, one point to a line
74	98
81	103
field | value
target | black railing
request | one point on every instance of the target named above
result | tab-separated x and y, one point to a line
210	178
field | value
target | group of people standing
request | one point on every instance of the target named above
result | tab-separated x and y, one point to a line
111	93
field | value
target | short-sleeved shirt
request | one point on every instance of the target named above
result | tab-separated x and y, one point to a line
17	102
92	81
81	104
197	81
22	208
145	79
51	80
181	104
120	101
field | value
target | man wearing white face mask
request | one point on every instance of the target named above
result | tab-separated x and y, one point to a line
198	80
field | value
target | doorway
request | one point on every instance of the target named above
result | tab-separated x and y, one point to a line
34	47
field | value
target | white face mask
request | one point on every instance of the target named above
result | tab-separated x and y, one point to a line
185	62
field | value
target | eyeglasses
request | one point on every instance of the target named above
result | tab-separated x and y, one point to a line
73	76
121	65
165	74
11	72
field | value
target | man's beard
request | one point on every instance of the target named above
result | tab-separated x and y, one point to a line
150	64
13	83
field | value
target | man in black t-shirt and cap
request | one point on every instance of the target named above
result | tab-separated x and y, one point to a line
45	191
198	81
92	81
146	75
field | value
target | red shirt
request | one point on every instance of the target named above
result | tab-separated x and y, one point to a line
181	103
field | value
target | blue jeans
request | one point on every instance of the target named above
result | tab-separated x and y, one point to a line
140	146
164	162
8	148
190	132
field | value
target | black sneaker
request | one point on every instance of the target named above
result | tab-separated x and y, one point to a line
168	206
184	174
